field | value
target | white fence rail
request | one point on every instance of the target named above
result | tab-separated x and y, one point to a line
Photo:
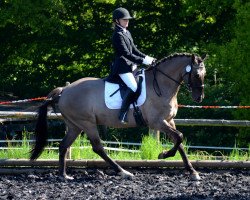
122	144
9	115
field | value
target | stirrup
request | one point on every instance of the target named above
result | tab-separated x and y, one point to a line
124	122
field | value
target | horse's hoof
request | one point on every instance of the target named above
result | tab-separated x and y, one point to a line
66	177
125	174
160	156
195	176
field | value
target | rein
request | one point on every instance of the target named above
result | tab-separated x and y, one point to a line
155	82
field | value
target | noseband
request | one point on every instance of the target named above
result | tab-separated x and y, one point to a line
188	86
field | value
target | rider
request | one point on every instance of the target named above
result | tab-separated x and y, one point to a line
127	56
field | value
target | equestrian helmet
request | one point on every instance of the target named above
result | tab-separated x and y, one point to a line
121	13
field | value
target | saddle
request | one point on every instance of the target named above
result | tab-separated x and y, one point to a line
114	93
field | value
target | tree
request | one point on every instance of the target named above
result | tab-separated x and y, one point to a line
46	43
235	58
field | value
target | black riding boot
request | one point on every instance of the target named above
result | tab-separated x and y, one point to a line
127	100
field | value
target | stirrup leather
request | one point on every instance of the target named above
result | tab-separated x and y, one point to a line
123	118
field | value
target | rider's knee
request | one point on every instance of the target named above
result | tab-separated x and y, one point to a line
129	80
134	87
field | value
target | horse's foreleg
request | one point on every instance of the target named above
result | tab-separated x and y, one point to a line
187	163
67	141
175	135
95	141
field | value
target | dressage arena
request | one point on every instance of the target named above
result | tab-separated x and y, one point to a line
102	183
21	179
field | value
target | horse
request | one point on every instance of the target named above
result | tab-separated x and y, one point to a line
83	109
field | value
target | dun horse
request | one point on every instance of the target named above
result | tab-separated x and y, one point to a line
83	109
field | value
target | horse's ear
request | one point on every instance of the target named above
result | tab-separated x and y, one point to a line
194	59
204	57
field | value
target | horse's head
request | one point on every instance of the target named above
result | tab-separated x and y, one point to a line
194	77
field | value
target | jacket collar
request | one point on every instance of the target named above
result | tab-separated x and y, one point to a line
120	28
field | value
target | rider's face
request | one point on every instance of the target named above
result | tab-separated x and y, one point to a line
124	22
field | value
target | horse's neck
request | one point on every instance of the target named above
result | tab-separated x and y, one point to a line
172	68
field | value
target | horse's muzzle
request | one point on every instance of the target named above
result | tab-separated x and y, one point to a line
199	99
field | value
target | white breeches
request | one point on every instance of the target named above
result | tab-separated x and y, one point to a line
129	80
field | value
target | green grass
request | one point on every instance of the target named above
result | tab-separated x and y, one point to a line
149	150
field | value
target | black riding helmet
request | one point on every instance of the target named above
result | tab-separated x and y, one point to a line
121	13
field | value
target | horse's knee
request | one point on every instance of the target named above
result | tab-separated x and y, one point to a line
180	137
177	137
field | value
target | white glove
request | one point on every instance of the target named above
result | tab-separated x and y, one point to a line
147	60
134	67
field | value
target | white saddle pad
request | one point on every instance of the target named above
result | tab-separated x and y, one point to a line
115	101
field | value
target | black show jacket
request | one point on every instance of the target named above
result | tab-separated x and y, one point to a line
126	53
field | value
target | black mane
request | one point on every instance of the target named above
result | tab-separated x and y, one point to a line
171	56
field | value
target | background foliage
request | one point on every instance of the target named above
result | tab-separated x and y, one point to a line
45	43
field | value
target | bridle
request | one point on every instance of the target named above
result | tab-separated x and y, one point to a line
189	85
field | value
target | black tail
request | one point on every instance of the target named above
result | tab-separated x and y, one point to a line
41	131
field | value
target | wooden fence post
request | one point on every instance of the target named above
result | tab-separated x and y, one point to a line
155	133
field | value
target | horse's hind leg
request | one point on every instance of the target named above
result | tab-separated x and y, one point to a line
69	138
93	135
